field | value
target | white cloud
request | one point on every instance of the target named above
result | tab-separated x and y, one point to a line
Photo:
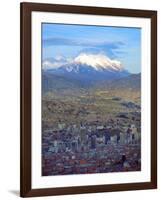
54	63
50	65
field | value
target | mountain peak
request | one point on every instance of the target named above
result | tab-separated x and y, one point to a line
99	62
88	68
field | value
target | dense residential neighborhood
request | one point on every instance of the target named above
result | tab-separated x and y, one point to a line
91	148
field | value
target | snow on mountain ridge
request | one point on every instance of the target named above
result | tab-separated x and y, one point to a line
98	62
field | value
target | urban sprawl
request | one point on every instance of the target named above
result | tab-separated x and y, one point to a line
92	147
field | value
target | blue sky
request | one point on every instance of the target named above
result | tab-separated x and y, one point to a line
68	41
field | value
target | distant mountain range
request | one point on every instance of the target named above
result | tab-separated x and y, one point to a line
51	82
87	71
85	75
133	82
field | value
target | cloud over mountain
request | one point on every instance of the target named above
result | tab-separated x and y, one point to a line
53	41
110	47
54	63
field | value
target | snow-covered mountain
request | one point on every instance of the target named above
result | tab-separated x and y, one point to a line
87	68
98	62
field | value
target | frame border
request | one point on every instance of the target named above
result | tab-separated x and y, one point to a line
25	99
